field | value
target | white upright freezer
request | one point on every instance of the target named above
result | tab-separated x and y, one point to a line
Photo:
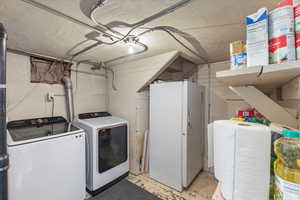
176	135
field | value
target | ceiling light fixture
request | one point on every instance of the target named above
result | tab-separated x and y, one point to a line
131	41
130	49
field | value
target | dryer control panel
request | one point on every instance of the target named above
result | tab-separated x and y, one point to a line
94	115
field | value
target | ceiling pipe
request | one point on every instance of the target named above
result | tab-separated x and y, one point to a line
161	13
88	7
3	129
67	17
71	19
46	57
97	43
115	23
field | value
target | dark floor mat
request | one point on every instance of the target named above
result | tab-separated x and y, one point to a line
124	190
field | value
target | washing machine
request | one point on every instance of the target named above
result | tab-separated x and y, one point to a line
107	149
46	160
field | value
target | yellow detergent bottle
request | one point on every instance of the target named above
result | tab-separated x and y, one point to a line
287	166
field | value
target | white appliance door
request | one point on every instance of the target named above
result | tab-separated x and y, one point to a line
110	157
193	139
165	136
48	170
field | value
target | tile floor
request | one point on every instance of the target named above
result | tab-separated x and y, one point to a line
202	188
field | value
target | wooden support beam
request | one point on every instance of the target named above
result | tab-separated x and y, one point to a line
265	105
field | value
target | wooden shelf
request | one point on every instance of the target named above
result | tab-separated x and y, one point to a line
272	76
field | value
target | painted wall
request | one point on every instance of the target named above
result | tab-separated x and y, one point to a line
221	99
133	106
28	100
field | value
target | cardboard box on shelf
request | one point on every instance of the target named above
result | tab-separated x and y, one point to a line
238	54
282	49
257	38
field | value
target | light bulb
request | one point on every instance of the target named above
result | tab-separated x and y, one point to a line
130	49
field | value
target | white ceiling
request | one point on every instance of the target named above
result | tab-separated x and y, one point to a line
215	23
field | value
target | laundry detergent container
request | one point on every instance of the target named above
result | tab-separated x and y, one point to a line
242	153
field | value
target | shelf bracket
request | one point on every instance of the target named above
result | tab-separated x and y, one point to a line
265	105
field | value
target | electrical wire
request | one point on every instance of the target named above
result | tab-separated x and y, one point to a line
74	47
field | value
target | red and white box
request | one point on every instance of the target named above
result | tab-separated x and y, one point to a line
282	49
245	113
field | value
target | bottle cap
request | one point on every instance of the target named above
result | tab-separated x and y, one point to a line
290	133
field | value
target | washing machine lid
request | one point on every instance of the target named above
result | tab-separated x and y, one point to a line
35	129
103	122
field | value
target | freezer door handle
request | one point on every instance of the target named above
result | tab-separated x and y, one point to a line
189	124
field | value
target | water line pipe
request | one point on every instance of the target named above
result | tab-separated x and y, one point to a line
3	129
69	98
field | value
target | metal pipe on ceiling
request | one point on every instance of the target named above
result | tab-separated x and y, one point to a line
145	48
88	7
85	49
3	129
89	73
162	13
26	53
101	30
67	17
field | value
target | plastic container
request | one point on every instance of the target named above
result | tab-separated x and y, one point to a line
287	166
238	54
287	149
